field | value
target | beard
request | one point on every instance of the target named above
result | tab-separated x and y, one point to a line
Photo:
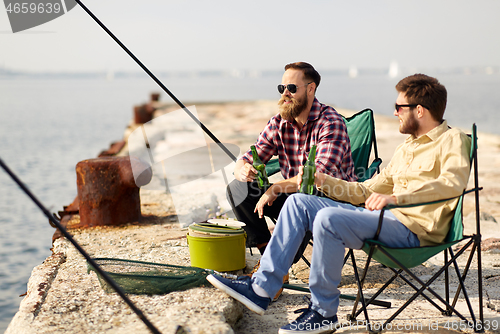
410	125
291	111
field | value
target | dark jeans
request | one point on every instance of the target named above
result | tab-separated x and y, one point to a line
243	197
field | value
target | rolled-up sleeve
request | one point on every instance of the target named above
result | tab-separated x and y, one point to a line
265	147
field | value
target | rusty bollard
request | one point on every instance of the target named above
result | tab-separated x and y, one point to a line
107	190
143	113
155	97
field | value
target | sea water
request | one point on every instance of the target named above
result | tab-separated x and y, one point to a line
49	124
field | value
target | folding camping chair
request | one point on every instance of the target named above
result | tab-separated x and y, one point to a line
400	260
361	132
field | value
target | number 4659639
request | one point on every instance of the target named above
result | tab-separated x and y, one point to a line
31	7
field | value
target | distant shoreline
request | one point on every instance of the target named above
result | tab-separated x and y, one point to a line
6	73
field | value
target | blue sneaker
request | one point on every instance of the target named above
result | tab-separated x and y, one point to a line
310	321
241	290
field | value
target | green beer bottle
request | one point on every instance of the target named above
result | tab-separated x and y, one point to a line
262	179
307	185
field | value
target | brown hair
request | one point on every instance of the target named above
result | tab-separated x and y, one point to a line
310	74
426	91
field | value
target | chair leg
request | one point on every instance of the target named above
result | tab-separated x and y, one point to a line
480	285
372	300
418	293
475	248
360	289
306	261
464	291
349	254
446	284
464	275
407	281
424	285
477	236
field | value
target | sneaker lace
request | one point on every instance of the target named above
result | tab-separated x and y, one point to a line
304	309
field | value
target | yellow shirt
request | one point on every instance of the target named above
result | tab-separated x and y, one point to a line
431	167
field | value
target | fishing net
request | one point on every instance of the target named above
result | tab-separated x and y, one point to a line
137	277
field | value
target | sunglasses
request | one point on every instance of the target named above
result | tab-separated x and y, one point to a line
399	106
292	88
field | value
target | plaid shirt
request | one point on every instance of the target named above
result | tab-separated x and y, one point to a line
324	128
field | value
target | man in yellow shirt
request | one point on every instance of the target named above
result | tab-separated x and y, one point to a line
432	164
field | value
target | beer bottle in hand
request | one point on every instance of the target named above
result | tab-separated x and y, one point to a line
262	180
307	185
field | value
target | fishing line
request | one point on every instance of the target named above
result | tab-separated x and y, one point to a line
68	236
179	103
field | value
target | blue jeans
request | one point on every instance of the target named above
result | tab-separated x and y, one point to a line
335	226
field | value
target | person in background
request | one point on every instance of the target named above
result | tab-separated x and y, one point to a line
431	164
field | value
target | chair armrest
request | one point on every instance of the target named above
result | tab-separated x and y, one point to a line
393	206
272	167
370	171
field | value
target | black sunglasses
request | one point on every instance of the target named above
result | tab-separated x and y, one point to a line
399	106
292	88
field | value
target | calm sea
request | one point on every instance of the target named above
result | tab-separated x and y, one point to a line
47	125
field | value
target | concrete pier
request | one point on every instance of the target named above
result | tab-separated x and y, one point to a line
63	298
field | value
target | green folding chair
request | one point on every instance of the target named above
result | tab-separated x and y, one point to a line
400	260
361	131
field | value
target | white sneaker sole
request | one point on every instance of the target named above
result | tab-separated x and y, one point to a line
242	299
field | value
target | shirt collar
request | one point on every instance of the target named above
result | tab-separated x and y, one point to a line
315	110
433	134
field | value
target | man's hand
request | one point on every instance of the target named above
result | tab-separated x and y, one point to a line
377	201
319	178
244	171
268	198
287	186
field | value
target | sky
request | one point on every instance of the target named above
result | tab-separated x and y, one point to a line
259	35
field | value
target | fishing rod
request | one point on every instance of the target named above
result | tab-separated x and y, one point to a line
68	236
179	103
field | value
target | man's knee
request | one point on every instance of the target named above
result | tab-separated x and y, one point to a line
296	210
298	200
332	220
293	204
236	192
338	223
322	222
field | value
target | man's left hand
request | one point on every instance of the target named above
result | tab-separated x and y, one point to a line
268	198
377	201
